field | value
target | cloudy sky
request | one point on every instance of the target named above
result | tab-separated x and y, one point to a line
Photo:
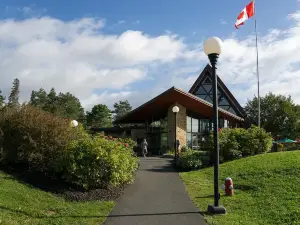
110	50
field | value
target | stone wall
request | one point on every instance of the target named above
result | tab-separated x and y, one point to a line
181	126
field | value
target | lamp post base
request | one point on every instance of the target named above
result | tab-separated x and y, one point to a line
216	209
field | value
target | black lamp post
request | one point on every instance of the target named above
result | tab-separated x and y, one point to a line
175	110
212	48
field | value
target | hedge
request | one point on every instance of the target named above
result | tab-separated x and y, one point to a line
238	142
46	143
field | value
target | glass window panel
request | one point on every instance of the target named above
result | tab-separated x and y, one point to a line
221	122
189	139
207	87
229	124
196	139
224	107
188	124
201	125
204	125
223	101
207	80
201	96
232	111
200	91
195	125
208	99
225	123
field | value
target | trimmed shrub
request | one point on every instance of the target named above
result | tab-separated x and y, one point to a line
230	142
191	159
259	141
97	162
238	142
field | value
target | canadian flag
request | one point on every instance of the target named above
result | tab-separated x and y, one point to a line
247	13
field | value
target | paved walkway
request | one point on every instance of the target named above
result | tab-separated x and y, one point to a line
157	196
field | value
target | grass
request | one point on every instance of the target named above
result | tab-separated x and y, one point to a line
266	190
22	204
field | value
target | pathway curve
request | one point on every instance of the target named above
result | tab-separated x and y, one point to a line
157	196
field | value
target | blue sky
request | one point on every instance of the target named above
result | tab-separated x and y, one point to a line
177	29
156	16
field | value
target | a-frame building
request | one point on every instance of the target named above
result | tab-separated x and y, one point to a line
194	119
202	88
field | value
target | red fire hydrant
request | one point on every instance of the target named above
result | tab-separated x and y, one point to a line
229	186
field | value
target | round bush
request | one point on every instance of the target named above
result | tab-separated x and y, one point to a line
97	162
191	159
34	137
238	142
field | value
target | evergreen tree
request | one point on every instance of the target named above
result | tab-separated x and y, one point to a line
2	100
13	99
100	116
121	108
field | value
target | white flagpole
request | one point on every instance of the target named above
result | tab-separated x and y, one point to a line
257	70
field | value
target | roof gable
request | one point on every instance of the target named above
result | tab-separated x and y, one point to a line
157	107
203	89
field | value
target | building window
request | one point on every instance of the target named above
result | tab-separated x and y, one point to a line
198	130
195	125
204	92
188	124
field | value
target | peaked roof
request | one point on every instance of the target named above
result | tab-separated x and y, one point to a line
207	71
157	107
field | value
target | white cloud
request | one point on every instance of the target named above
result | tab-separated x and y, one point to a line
279	63
223	22
26	11
78	56
121	21
108	98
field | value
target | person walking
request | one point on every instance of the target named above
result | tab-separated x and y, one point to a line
144	147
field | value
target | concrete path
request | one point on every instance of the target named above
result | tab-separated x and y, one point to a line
157	196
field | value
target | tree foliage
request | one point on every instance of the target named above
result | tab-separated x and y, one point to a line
279	115
64	105
121	108
13	99
2	100
100	116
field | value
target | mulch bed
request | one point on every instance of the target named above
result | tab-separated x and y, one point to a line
61	188
109	194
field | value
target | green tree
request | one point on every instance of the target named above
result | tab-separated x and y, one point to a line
52	102
38	98
64	104
279	114
69	106
100	116
13	99
2	100
121	108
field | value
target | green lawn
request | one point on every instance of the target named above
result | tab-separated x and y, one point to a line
267	190
22	204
